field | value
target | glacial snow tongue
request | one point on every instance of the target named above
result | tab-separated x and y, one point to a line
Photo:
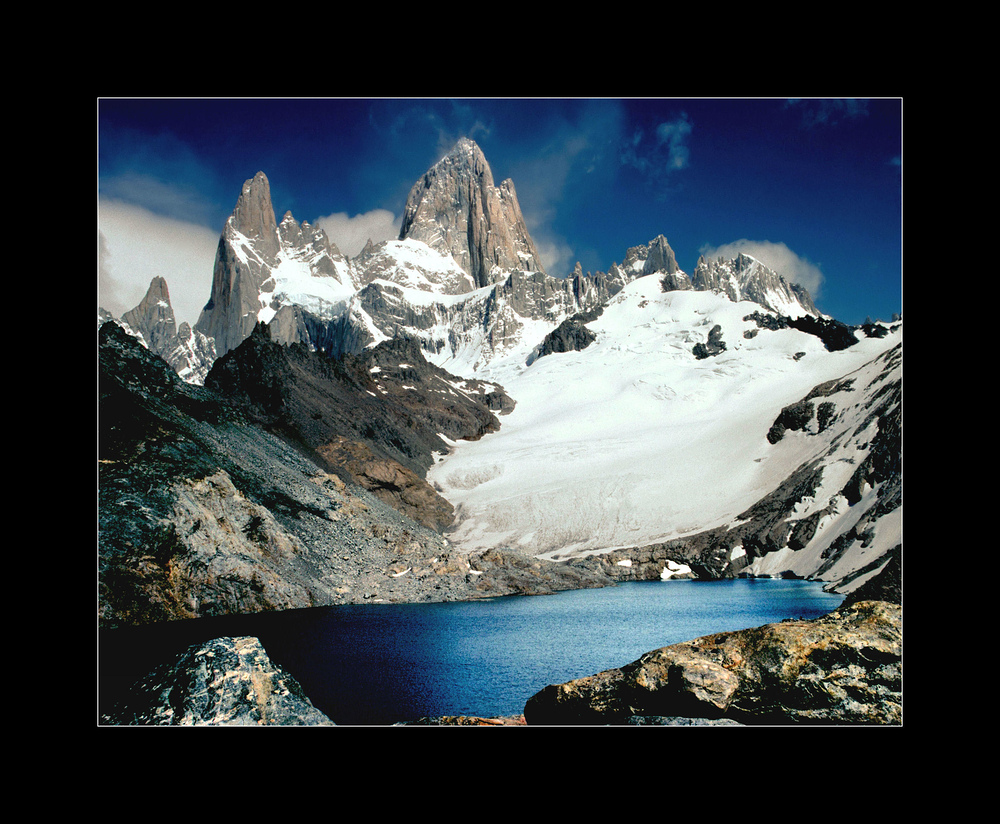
456	209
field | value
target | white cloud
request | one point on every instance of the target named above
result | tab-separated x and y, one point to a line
136	245
776	256
350	234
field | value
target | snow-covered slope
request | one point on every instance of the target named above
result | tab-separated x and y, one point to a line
304	274
634	440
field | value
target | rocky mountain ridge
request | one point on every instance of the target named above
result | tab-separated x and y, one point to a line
464	277
188	352
456	209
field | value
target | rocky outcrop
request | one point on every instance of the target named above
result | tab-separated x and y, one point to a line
842	668
246	253
715	345
153	318
572	335
403	489
224	682
456	209
834	334
388	398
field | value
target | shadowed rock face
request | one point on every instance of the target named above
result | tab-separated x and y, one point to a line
388	399
842	668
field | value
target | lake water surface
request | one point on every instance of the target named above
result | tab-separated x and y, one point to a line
384	663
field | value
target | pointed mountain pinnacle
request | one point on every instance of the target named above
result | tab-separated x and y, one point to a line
456	209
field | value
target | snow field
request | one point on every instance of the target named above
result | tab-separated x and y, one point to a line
633	440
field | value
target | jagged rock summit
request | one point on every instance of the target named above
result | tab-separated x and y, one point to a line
189	353
456	209
746	278
266	271
463	283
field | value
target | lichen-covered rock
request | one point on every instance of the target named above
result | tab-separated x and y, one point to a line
842	668
223	682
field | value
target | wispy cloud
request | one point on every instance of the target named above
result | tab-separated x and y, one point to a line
662	151
828	111
775	256
567	151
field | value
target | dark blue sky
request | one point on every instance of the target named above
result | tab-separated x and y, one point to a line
812	187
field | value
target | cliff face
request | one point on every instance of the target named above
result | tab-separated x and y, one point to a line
262	267
189	352
745	278
456	209
377	418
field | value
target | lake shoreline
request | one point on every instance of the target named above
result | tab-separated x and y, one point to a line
514	644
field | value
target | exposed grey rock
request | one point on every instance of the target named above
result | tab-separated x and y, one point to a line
842	668
659	258
714	346
223	682
571	335
456	209
794	416
243	260
154	316
251	248
188	352
674	721
203	512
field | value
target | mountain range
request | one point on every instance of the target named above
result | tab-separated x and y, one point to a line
539	430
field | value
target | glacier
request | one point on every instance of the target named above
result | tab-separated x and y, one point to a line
632	440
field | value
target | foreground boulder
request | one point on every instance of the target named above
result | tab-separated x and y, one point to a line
223	682
842	668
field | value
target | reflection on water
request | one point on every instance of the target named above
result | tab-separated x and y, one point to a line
383	663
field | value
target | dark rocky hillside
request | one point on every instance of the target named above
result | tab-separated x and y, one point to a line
376	419
202	510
